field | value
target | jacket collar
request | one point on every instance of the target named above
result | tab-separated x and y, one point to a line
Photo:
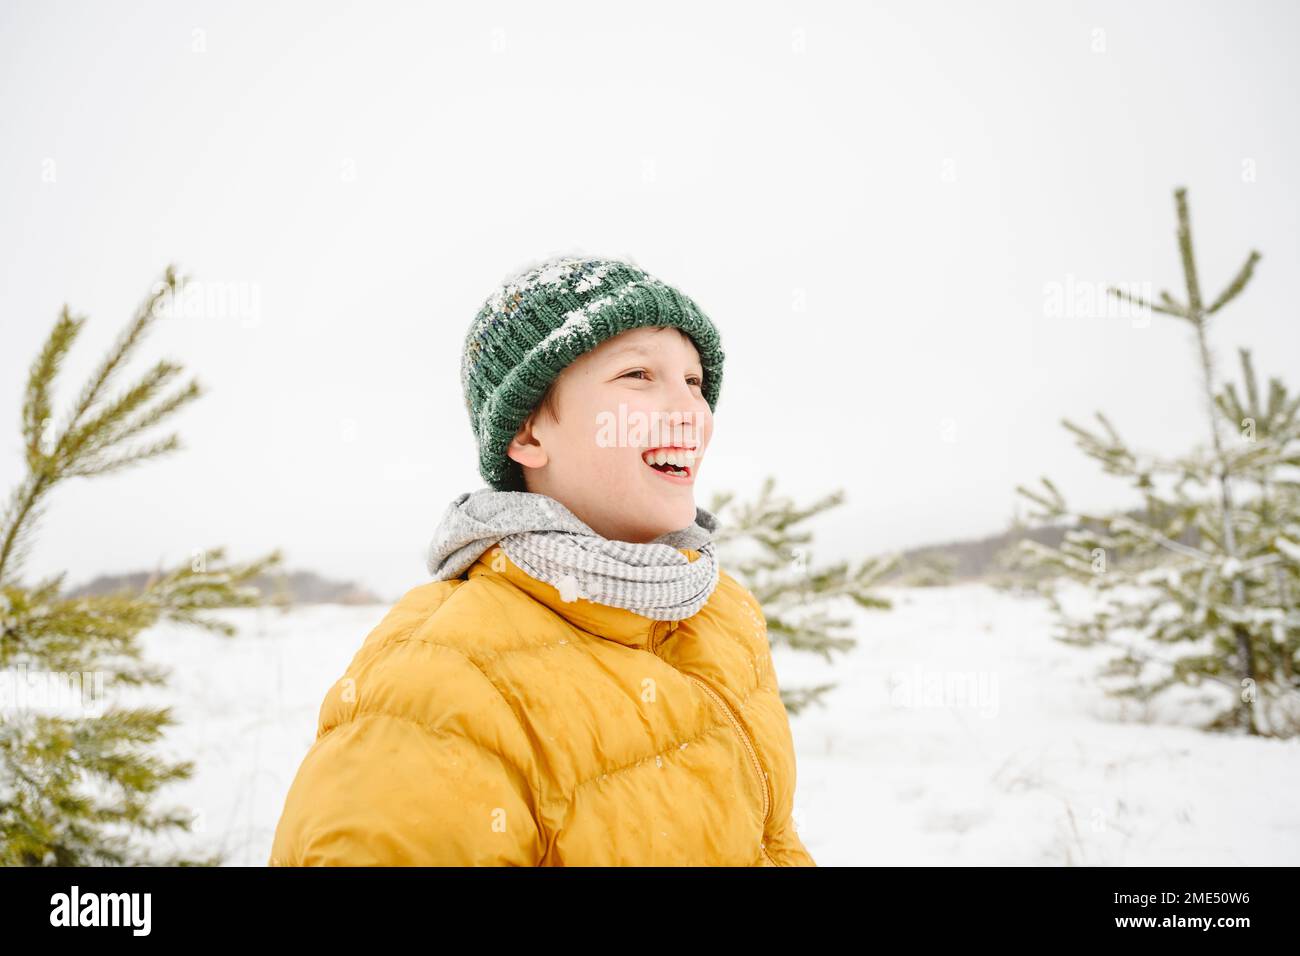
611	623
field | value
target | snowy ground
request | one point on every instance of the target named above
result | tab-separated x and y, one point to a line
960	734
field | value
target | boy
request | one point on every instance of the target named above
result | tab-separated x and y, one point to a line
581	684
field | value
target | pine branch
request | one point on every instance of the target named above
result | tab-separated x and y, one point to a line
21	515
36	404
127	340
1236	285
102	465
1169	308
99	431
149	417
1188	257
185	592
1174	307
1051	504
1276	400
1124	525
798	699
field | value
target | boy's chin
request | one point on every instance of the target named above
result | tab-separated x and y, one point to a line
671	512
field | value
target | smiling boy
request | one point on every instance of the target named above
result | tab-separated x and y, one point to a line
644	392
581	684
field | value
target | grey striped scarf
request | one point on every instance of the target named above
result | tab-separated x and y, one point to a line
549	542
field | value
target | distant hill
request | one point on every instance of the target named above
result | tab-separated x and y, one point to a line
980	559
292	587
973	559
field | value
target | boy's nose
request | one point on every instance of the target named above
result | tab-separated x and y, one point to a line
683	426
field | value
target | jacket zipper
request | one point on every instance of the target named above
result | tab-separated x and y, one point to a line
744	739
656	637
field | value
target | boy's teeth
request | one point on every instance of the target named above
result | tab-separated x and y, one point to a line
678	458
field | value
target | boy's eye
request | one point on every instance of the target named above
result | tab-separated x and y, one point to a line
694	379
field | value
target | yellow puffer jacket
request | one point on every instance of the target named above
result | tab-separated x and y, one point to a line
485	721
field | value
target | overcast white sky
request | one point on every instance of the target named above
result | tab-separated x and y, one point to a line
871	201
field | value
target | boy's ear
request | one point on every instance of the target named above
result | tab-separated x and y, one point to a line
525	447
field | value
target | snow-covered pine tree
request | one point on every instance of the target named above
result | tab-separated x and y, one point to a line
77	781
761	544
1200	587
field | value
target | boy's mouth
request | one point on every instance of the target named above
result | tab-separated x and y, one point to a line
674	461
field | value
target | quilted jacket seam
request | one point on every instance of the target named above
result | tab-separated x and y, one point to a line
723	722
404	634
535	783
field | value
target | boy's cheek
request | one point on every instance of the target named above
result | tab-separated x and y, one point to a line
613	462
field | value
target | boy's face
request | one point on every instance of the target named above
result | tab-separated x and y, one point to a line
633	394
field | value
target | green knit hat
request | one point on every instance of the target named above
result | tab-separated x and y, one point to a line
542	319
